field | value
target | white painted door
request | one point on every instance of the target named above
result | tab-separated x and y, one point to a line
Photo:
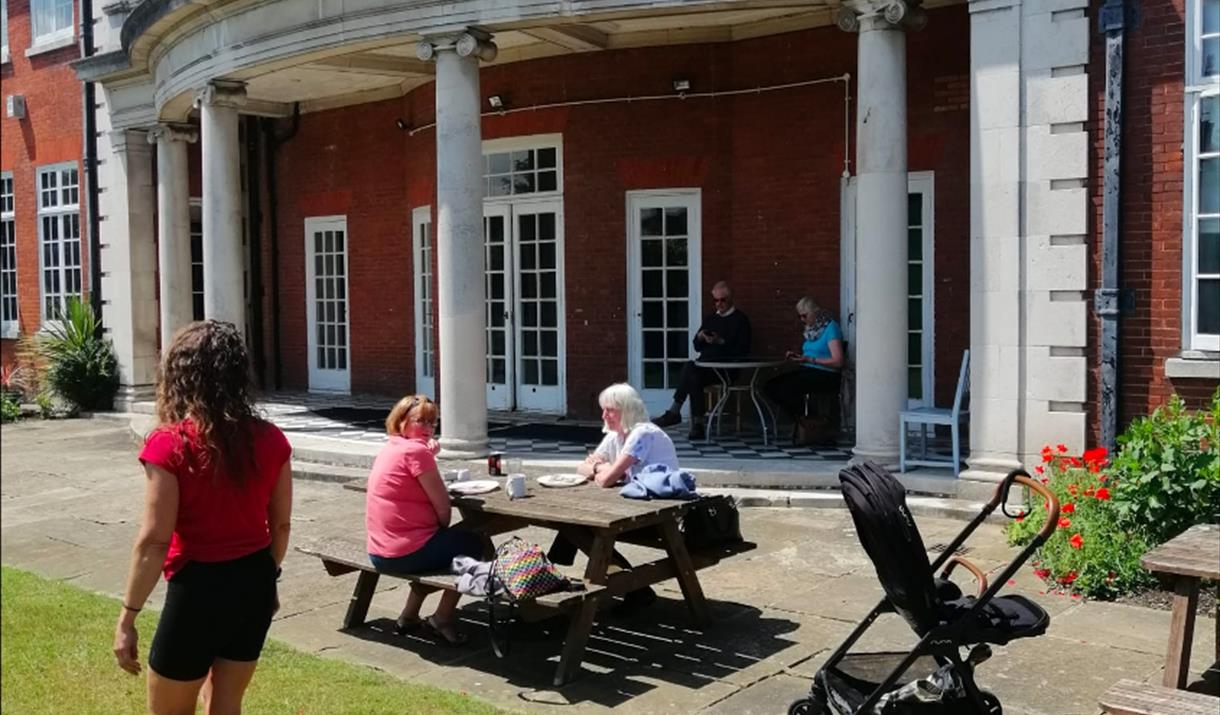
663	288
921	336
425	329
538	297
497	262
326	304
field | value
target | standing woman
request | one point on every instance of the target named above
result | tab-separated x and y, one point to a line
217	505
821	360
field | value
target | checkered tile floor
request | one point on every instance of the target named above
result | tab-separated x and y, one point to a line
292	412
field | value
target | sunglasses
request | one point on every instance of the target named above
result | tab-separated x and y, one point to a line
720	300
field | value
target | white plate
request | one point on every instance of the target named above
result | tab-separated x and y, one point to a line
562	480
477	486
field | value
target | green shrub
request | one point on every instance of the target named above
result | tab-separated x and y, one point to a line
1090	552
10	407
1168	470
81	366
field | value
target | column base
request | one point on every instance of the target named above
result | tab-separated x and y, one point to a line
885	458
459	448
988	469
129	395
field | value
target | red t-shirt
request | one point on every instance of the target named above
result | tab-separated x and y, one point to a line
218	520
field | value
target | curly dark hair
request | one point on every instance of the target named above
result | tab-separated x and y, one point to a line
205	377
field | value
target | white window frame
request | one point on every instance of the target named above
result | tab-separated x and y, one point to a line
56	212
4	57
8	228
523	143
924	182
40	37
1197	88
425	339
326	380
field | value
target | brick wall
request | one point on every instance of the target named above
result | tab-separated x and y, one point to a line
1150	253
768	166
49	134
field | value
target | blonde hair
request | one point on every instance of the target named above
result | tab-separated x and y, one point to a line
807	305
411	409
623	397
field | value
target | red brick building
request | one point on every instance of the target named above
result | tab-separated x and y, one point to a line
42	198
752	126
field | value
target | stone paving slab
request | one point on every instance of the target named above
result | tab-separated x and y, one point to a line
70	499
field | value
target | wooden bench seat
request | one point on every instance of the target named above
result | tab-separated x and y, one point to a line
1130	697
340	556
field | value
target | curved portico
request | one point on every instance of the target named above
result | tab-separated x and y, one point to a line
762	70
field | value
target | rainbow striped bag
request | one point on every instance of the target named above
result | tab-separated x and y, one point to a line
520	572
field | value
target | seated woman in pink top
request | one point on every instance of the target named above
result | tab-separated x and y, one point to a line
407	514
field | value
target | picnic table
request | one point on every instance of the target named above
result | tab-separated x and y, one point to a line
1187	558
595	519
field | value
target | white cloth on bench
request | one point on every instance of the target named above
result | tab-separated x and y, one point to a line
473	575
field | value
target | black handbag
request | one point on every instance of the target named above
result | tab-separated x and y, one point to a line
711	521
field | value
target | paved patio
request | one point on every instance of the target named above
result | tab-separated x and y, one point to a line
70	503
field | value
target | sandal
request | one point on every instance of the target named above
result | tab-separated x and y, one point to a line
448	634
402	628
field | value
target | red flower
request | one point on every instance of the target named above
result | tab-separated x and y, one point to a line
1064	522
1068	508
1103	494
1077	541
1047	454
1103	479
1094	467
1070	577
1045	480
1072	489
1042	573
1062	448
1039	469
1020	518
1088	492
1097	454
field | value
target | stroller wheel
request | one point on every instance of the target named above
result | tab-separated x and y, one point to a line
806	706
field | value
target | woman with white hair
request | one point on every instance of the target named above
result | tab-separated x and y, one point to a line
821	361
631	442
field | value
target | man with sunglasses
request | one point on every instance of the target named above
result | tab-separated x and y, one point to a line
724	335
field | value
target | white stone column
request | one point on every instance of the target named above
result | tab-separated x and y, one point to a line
881	228
1028	225
173	227
223	256
128	260
459	241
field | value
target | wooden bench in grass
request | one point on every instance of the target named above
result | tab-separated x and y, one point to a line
343	556
1130	697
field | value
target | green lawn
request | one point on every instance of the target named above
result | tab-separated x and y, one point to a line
55	658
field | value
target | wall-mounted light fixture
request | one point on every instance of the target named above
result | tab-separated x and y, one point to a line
681	85
496	101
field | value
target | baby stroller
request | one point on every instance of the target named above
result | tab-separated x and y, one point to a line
934	677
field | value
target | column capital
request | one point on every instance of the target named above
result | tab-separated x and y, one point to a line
123	139
222	93
173	132
473	42
865	15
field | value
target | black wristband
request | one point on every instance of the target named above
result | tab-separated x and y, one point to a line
129	608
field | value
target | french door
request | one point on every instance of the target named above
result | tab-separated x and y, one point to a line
425	329
326	304
921	336
523	263
663	285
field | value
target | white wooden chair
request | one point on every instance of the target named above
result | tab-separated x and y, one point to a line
924	416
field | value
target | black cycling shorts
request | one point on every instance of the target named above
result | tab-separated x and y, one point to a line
214	610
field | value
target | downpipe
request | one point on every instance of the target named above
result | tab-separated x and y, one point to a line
89	120
1106	298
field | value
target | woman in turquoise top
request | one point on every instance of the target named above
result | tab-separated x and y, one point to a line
821	359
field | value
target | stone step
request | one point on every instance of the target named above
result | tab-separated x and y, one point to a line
327	472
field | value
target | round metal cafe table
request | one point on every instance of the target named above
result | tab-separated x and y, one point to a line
724	370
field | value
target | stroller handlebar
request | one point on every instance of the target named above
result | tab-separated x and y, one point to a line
1020	476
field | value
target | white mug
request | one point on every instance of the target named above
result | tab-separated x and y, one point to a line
515	486
463	475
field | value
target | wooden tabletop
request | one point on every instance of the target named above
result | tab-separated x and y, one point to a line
584	505
1194	552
